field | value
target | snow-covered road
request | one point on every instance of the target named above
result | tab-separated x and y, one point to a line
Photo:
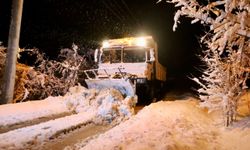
172	125
32	125
104	120
19	115
33	136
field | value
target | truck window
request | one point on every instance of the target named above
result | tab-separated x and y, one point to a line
111	56
105	57
133	56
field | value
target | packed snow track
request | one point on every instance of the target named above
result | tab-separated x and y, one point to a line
48	123
104	120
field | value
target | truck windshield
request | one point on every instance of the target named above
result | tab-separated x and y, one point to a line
111	56
134	55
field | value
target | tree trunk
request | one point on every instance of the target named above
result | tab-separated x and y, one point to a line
13	46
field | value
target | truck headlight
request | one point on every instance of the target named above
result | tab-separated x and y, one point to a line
105	44
141	42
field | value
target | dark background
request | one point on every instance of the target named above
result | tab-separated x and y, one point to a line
54	24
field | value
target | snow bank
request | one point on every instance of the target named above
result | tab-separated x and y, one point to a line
107	104
162	125
89	106
30	137
173	125
13	114
243	108
236	137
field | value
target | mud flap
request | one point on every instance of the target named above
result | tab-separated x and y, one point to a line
125	86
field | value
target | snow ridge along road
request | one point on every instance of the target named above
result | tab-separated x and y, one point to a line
36	135
19	115
83	107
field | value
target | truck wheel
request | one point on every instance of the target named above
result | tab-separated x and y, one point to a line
152	96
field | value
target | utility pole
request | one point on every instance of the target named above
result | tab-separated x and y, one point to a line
13	46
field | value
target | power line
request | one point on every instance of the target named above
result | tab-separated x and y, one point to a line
126	13
119	12
117	7
112	11
130	13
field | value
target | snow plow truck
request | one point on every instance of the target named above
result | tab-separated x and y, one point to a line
129	65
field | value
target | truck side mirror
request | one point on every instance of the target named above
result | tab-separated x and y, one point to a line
96	55
151	55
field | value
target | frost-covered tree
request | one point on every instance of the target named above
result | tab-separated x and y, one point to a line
227	52
67	69
46	77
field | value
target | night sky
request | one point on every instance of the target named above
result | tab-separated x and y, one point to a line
53	24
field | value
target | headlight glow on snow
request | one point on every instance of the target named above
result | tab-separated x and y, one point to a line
105	44
141	42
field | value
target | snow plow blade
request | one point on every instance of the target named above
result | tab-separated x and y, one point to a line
123	85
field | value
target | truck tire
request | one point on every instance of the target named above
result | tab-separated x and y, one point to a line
142	91
152	96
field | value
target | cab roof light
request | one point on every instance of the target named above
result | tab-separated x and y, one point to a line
105	44
141	42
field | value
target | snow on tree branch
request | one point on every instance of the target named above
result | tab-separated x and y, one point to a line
48	77
228	50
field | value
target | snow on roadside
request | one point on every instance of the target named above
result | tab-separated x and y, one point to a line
236	137
12	114
173	125
107	103
90	106
162	125
30	137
